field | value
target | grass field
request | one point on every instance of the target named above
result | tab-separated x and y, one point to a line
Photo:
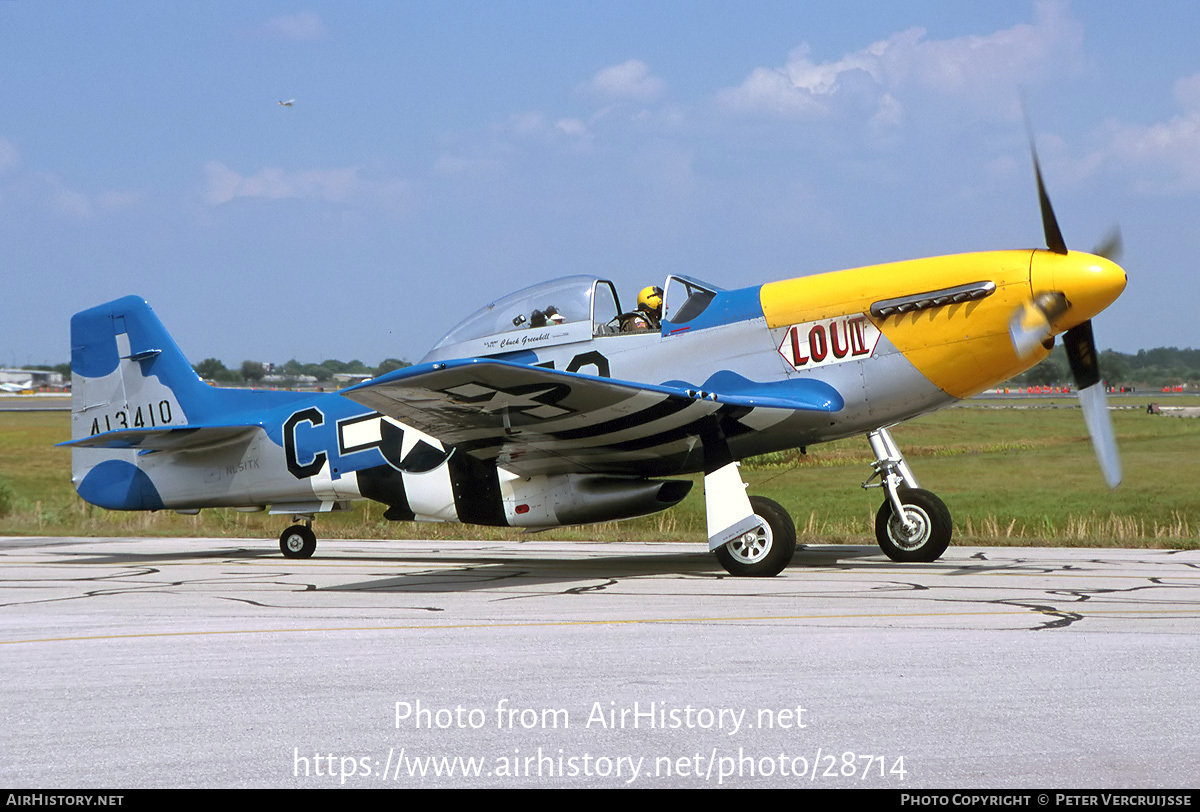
1011	472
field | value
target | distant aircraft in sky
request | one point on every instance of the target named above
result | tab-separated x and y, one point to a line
288	103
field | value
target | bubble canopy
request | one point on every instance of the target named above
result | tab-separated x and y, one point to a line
572	308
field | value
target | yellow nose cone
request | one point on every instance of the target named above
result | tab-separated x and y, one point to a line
1090	283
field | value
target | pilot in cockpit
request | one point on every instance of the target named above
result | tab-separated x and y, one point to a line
648	315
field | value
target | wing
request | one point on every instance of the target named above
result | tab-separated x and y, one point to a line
534	420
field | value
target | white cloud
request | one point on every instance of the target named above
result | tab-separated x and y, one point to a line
888	114
224	185
221	183
1161	158
1187	92
527	123
511	140
980	69
48	191
299	27
631	80
1164	157
69	202
571	126
770	91
9	156
537	126
332	185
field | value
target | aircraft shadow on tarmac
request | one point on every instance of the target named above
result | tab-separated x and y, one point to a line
441	569
450	571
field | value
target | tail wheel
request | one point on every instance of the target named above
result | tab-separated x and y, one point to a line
298	541
767	549
929	531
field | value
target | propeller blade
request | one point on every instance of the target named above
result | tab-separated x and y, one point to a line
1032	322
1027	329
1112	247
1054	237
1099	425
1081	353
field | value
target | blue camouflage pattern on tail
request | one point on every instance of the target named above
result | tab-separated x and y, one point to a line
130	378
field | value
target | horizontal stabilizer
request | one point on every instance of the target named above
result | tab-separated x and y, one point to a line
179	438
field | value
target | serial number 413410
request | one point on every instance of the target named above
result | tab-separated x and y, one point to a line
150	416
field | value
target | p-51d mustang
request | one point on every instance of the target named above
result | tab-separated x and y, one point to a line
544	409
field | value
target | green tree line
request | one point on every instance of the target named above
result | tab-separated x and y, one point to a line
1163	366
252	372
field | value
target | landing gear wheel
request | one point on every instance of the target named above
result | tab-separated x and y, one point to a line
931	527
298	541
765	550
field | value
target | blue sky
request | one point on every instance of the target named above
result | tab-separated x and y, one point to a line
441	154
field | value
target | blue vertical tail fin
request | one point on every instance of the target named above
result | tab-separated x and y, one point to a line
128	373
133	392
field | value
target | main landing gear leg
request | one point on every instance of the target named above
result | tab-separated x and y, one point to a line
912	524
752	536
299	540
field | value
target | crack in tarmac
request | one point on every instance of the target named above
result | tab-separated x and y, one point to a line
1065	618
499	577
579	590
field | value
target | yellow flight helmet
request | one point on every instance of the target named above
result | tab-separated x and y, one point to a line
650	299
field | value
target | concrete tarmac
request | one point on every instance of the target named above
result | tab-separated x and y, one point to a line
218	663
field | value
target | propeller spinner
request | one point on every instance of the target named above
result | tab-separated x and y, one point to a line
1068	289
